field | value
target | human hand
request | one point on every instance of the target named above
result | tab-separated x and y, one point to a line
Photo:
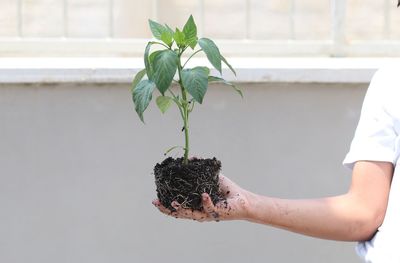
236	205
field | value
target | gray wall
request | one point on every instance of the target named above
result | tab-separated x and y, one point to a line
76	164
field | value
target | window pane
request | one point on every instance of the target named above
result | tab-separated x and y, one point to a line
365	19
312	19
273	19
270	19
176	12
225	19
88	18
42	18
394	21
130	18
8	18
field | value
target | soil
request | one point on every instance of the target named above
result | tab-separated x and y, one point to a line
185	183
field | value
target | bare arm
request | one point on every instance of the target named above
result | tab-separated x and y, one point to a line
353	216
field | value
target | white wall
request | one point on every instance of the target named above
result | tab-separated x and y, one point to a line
76	163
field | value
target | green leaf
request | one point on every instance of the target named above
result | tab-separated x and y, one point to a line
229	65
169	29
171	32
163	103
152	56
142	95
147	62
164	64
195	82
179	38
161	32
217	79
212	52
190	31
166	37
137	78
157	29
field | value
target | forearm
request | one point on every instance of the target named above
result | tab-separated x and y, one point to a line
354	216
336	218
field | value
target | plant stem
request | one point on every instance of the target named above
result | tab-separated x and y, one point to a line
158	43
191	57
186	125
176	100
185	115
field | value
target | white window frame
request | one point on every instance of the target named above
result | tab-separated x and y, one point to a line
231	48
336	46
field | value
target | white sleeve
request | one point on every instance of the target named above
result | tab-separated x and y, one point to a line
375	136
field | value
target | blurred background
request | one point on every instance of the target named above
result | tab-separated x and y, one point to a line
76	180
282	28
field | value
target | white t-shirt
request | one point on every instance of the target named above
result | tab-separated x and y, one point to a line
377	139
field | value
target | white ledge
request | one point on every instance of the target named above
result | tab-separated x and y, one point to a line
122	70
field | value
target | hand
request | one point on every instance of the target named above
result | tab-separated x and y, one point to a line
236	205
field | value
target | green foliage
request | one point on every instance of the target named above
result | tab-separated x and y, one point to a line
169	29
179	38
137	79
165	64
229	65
166	37
163	103
162	65
149	70
195	80
217	79
161	32
212	52
141	96
190	32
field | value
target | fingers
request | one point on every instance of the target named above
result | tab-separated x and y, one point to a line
176	205
209	207
210	211
162	208
185	213
181	212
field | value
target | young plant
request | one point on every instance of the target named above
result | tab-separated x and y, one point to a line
162	65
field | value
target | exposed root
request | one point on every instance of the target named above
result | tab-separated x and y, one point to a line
176	181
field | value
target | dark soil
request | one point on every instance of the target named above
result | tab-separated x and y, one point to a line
176	181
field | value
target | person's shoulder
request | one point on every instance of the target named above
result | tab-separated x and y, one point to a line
388	70
385	87
389	73
387	78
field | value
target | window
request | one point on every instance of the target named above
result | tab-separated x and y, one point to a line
242	27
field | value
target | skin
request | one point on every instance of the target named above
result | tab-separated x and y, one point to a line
353	216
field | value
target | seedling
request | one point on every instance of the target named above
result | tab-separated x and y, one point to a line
166	66
161	67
